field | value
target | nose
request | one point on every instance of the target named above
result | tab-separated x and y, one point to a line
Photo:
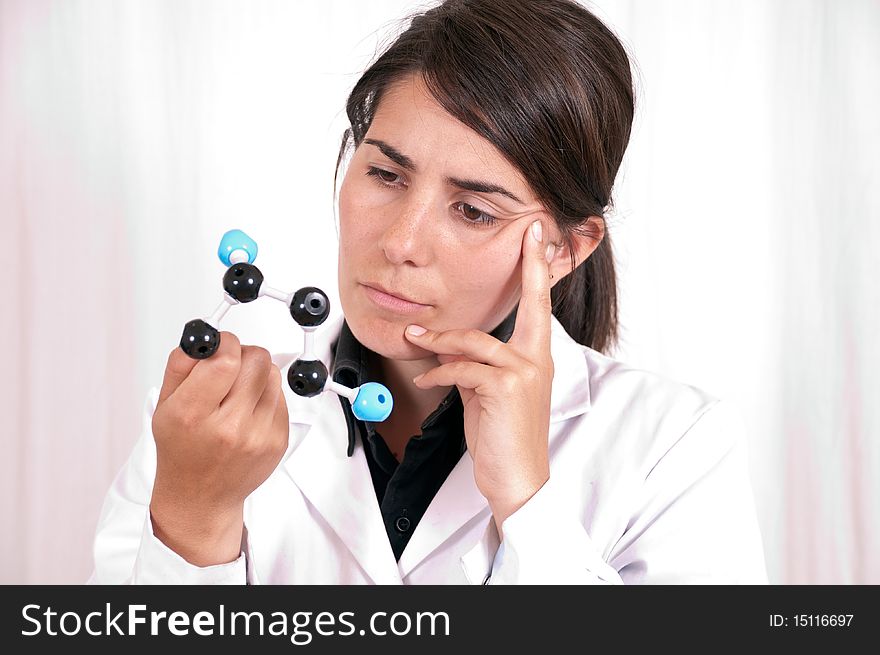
408	233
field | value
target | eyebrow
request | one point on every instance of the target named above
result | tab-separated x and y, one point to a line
393	154
468	185
481	187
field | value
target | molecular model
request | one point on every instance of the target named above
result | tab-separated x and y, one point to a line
309	307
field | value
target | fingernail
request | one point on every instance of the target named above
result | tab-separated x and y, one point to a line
416	330
417	378
551	251
536	231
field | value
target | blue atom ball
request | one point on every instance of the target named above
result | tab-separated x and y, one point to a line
236	240
373	403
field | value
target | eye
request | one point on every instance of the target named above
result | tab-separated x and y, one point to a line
383	177
474	217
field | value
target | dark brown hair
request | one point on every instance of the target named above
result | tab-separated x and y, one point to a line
549	85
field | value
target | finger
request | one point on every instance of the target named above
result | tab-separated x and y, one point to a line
448	359
281	413
177	369
532	328
482	378
267	404
281	422
474	344
212	378
251	381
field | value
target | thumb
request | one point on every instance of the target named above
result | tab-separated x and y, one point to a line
178	368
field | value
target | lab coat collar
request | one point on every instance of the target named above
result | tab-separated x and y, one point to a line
341	489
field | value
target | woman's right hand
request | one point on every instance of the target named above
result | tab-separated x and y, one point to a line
220	427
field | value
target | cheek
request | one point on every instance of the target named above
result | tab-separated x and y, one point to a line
482	280
346	205
354	218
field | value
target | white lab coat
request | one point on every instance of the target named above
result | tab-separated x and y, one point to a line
648	484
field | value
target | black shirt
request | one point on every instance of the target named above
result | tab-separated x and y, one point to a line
404	490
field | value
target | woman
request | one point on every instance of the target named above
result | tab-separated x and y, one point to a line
477	283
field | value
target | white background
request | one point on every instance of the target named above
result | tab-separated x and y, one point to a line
134	133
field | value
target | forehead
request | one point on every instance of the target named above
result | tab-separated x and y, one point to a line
409	118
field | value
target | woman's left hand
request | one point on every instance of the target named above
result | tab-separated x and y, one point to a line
505	389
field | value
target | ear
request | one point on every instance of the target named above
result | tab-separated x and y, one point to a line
583	242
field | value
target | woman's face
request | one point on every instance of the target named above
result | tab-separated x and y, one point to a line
430	211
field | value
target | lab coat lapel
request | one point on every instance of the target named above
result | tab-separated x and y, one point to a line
341	490
570	395
455	504
338	487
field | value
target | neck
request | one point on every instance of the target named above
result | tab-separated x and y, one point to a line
411	404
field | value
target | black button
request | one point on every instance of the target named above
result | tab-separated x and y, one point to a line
402	524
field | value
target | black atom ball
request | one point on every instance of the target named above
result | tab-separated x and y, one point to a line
199	339
242	282
307	377
310	307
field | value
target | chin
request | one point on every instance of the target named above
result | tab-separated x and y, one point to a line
385	338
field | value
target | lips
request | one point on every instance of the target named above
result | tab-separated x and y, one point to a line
391	292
